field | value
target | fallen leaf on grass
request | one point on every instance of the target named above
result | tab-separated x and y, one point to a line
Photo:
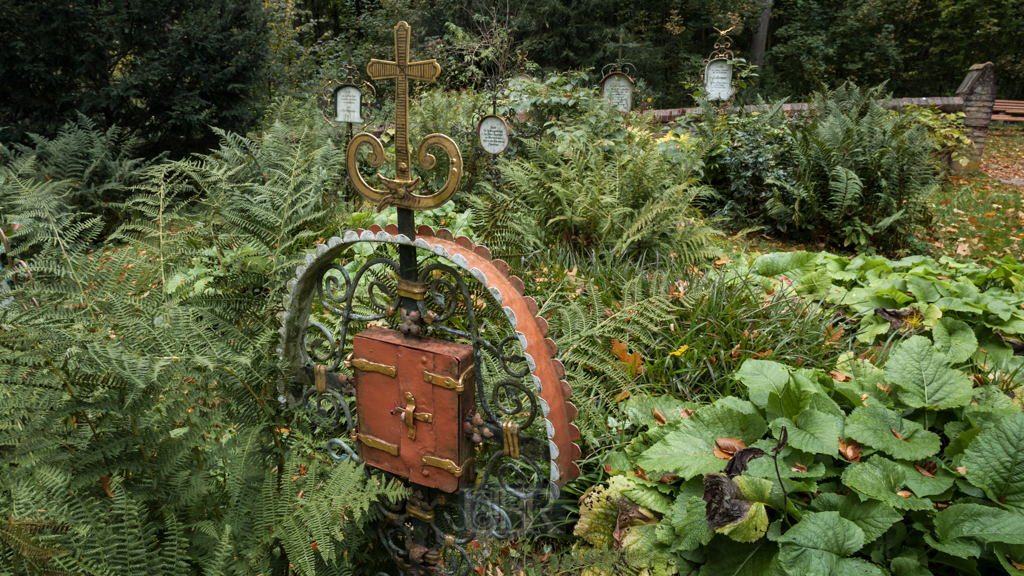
633	361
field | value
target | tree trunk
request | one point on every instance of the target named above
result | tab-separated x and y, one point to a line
760	41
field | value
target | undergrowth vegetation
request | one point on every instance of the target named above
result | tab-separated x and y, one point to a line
140	421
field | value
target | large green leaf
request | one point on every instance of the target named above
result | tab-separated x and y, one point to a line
689	450
962	529
882	479
874	426
955	340
871	516
762	377
729	558
817	543
812	432
995	461
922	485
904	566
790	264
688	524
924	378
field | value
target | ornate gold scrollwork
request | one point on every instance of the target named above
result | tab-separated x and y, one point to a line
400	189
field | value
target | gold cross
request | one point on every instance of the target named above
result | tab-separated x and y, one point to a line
402	70
401	187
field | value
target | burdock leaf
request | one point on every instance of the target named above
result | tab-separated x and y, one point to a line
877	427
924	377
688	450
731	511
871	516
995	461
881	479
963	529
812	432
725	502
818	543
955	340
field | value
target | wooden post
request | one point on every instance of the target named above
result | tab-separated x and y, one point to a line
978	91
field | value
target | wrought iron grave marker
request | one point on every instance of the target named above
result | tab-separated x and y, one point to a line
457	389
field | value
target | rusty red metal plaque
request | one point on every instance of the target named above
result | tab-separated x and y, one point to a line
412	396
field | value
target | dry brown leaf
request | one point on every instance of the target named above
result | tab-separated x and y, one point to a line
105	482
961	471
833	334
851	451
658	416
884	388
668	478
687	413
1016	565
963	249
798	467
726	447
927	469
632	361
897	434
736	353
839	376
905	493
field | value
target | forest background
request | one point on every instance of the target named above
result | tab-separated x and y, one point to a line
169	69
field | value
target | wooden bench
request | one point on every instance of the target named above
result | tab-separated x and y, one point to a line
1008	111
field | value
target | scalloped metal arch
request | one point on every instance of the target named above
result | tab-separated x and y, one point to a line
547	371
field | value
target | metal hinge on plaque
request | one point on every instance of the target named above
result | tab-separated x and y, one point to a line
375	443
447	465
448	382
368	366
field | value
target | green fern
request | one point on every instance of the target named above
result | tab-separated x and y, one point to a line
630	201
138	376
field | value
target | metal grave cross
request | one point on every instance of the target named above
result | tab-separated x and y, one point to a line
620	45
400	188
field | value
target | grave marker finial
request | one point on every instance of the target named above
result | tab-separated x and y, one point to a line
400	188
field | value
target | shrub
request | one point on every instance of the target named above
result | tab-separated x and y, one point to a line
749	164
629	200
860	173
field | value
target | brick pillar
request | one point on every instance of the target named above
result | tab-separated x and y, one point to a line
978	91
